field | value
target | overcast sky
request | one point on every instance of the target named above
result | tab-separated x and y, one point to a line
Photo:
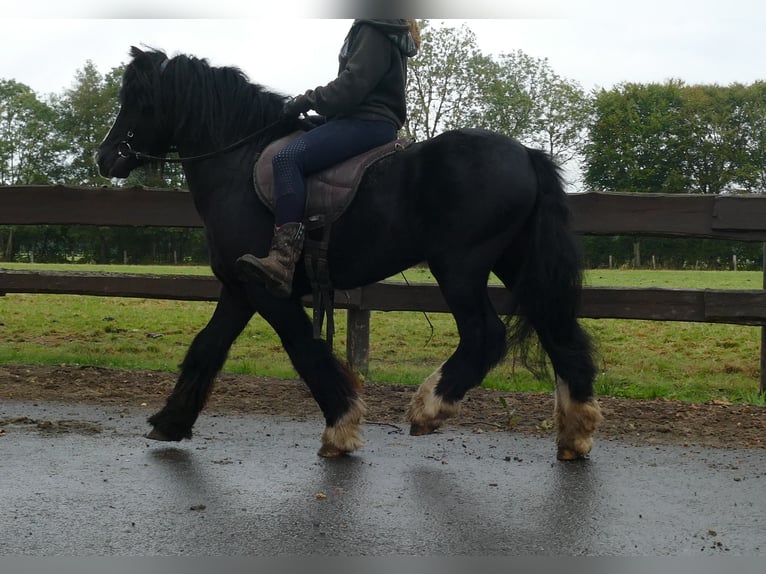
597	43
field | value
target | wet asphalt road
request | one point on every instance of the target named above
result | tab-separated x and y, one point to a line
81	480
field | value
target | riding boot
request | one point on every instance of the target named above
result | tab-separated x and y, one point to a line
277	268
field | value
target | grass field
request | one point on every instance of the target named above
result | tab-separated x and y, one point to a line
639	359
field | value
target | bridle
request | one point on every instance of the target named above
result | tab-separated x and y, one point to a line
125	150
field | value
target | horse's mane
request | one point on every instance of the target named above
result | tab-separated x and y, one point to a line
214	104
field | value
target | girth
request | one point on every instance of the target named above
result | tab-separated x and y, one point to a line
328	195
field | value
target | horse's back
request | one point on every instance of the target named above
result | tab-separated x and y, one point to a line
477	139
474	173
449	192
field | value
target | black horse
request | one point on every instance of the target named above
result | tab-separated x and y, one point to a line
467	202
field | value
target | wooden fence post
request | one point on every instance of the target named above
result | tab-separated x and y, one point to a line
358	340
763	329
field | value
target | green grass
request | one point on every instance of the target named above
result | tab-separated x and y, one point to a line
675	279
637	359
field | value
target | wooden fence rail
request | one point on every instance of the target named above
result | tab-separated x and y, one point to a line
741	218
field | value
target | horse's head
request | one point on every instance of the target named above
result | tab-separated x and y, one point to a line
188	106
140	125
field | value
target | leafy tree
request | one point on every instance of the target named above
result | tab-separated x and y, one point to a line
442	83
85	113
564	111
674	138
452	84
29	153
751	167
636	142
505	105
711	131
524	98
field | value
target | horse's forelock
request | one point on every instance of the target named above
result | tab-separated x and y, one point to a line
139	80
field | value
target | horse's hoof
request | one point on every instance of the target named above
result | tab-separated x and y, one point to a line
418	429
329	451
569	454
154	434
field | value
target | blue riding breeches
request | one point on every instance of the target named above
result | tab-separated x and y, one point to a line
320	148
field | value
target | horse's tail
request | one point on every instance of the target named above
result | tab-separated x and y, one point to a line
547	286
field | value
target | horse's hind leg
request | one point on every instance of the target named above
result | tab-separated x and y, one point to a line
482	345
576	421
577	413
553	317
332	384
203	361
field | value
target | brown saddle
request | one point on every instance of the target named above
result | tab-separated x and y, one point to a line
328	195
328	192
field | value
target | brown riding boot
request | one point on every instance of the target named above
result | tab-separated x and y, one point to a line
277	268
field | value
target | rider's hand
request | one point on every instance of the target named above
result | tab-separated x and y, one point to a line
296	106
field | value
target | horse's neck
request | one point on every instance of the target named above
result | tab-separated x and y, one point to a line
221	176
256	138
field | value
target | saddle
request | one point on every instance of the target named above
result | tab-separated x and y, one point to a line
328	195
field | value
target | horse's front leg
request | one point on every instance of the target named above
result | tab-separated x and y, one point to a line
332	384
203	361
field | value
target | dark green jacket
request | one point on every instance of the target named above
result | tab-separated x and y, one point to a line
372	74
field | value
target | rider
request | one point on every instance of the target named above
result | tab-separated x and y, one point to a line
364	107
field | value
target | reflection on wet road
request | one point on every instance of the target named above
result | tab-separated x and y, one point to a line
254	486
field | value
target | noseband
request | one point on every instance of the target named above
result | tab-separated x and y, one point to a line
124	148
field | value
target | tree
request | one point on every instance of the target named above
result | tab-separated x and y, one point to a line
564	111
85	113
524	98
442	82
505	105
751	167
29	153
673	138
451	84
710	130
636	141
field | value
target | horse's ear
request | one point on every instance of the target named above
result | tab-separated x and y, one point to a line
142	61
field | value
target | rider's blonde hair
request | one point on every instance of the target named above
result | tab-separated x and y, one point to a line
415	31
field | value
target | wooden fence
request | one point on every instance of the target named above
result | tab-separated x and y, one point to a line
740	218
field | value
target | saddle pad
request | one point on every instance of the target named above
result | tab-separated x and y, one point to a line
328	192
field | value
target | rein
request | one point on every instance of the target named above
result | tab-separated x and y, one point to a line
124	148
